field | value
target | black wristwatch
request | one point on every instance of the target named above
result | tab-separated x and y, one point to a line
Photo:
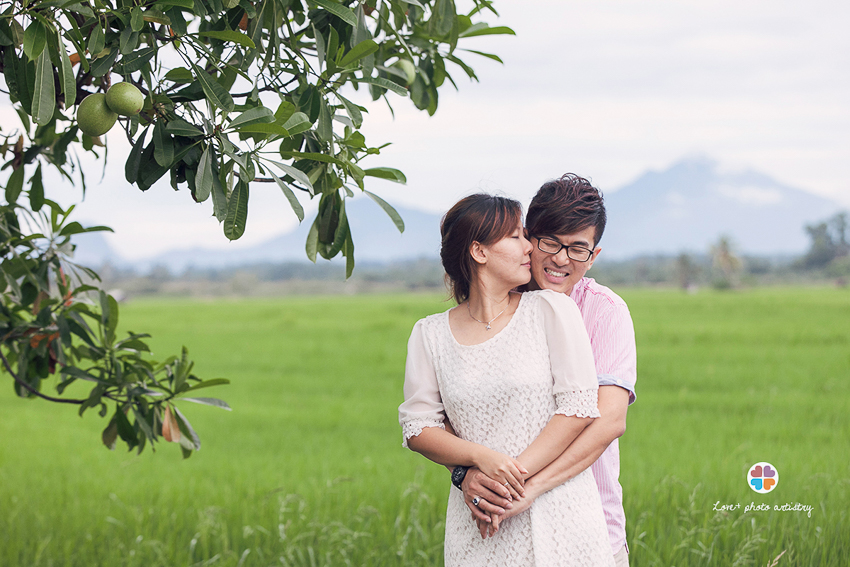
458	474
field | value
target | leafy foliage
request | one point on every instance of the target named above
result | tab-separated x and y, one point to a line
48	323
235	92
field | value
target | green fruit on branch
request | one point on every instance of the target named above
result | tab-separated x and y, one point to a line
406	67
94	117
125	99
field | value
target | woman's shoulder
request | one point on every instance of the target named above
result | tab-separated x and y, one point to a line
432	322
550	303
548	297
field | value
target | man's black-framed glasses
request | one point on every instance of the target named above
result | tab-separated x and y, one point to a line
552	246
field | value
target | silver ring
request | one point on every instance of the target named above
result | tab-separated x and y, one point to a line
507	483
475	501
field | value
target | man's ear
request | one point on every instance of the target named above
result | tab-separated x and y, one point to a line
595	255
478	253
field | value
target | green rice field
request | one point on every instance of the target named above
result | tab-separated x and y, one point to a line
308	469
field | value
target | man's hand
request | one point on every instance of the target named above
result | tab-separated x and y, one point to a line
518	506
494	498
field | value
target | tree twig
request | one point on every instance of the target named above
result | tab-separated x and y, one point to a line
33	390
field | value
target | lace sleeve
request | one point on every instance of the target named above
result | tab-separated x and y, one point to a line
423	405
580	403
570	356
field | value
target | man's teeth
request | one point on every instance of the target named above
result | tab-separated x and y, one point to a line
552	272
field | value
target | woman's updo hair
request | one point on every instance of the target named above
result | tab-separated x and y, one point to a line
480	218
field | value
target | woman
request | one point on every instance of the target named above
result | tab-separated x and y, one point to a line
514	374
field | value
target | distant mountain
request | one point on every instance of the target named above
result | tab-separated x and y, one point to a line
691	204
375	239
93	250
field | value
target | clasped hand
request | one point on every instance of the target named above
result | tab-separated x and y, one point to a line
497	501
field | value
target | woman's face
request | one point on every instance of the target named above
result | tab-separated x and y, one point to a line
509	260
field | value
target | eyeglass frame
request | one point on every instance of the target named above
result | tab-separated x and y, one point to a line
563	246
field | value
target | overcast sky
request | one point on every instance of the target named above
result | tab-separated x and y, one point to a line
602	88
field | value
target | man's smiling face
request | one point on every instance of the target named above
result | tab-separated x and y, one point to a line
559	272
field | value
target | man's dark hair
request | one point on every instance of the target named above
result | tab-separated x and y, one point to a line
566	205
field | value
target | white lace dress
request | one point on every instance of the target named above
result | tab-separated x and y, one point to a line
501	394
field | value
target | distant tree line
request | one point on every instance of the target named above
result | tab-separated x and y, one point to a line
829	243
722	266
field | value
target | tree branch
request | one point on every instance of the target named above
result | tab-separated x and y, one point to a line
33	390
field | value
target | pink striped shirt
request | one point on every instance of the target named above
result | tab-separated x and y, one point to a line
612	338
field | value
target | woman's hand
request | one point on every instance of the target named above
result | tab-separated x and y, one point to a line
491	496
489	528
502	468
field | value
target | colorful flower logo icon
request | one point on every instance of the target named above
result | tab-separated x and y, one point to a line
763	477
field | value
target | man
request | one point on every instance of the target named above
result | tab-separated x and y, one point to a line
565	222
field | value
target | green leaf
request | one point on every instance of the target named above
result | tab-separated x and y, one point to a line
290	196
35	39
313	156
320	46
7	36
384	83
66	75
180	75
189	440
96	41
163	145
103	65
215	402
15	185
204	177
135	61
231	36
297	123
134	160
36	190
487	55
359	51
332	48
125	429
345	14
252	116
237	211
110	434
43	100
442	18
352	110
386	173
264	129
313	241
11	64
155	16
295	173
486	30
216	94
180	127
393	214
219	198
165	4
325	127
136	20
348	252
128	41
207	384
